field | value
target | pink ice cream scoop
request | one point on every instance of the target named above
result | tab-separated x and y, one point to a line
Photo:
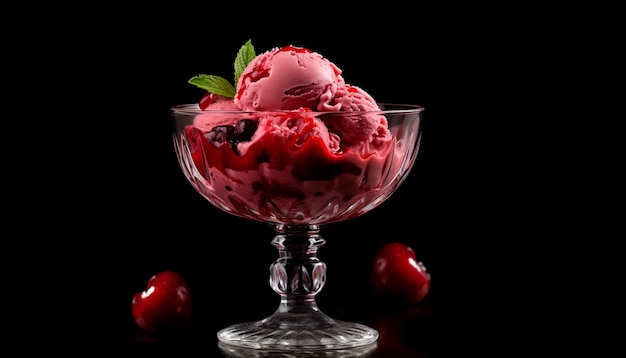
288	78
211	102
357	128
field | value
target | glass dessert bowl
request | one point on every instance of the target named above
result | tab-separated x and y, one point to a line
286	170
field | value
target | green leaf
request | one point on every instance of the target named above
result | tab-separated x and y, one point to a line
245	55
219	85
214	84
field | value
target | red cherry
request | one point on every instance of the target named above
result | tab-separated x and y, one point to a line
164	305
397	274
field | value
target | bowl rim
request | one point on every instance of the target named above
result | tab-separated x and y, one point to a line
386	108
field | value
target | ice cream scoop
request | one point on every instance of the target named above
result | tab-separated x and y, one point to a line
288	78
360	128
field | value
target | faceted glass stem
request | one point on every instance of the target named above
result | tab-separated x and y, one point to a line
297	276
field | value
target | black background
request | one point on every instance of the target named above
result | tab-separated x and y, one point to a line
123	210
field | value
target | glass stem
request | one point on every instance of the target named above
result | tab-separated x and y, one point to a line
297	275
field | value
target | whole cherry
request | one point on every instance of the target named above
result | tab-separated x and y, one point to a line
397	275
165	305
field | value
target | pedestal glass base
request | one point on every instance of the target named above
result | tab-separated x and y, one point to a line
298	324
298	331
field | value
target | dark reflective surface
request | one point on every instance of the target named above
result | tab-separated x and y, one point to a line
231	286
405	331
357	352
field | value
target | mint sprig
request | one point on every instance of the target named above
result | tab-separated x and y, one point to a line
214	84
219	85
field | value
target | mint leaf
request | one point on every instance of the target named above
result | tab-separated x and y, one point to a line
214	84
219	85
245	55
